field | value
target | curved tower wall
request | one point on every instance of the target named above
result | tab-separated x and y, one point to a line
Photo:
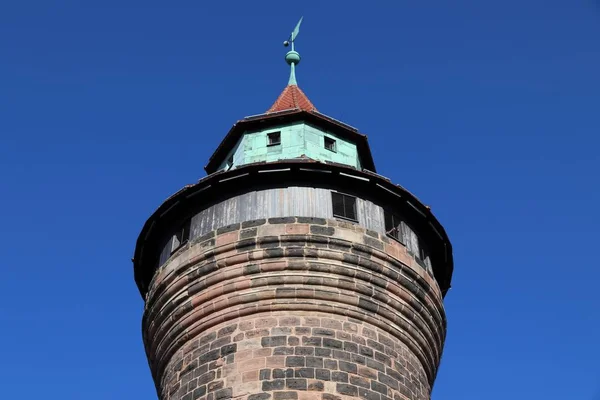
293	308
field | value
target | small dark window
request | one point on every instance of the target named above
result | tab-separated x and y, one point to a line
330	144
424	259
344	206
423	252
274	138
230	162
393	226
181	236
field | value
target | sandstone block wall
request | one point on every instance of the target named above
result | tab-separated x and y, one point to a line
293	309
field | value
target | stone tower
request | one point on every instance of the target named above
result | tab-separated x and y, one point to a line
293	271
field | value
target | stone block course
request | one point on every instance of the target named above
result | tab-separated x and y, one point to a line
311	341
338	376
321	230
305	373
281	351
296	384
286	396
314	362
346	390
323	374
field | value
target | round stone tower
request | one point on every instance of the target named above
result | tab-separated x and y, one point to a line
293	271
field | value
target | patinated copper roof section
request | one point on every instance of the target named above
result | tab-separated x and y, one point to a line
289	116
292	98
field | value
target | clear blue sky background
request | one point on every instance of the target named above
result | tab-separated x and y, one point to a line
487	111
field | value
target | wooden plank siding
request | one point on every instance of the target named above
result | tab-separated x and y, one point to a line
287	202
280	202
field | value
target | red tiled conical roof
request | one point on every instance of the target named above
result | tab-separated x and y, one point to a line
292	97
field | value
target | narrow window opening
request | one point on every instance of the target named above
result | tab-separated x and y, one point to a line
393	226
181	236
424	260
396	228
344	206
330	144
230	162
423	253
411	240
274	138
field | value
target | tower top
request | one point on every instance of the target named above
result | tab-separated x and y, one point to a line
292	57
292	96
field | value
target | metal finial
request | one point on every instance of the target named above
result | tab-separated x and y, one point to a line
292	57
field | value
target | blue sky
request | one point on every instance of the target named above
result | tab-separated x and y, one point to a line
487	111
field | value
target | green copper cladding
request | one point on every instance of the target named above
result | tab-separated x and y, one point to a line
293	57
292	80
296	140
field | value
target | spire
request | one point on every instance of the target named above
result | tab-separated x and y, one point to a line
293	57
292	80
292	96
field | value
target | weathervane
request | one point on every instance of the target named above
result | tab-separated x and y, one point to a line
292	57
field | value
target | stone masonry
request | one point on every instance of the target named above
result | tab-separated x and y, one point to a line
293	309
